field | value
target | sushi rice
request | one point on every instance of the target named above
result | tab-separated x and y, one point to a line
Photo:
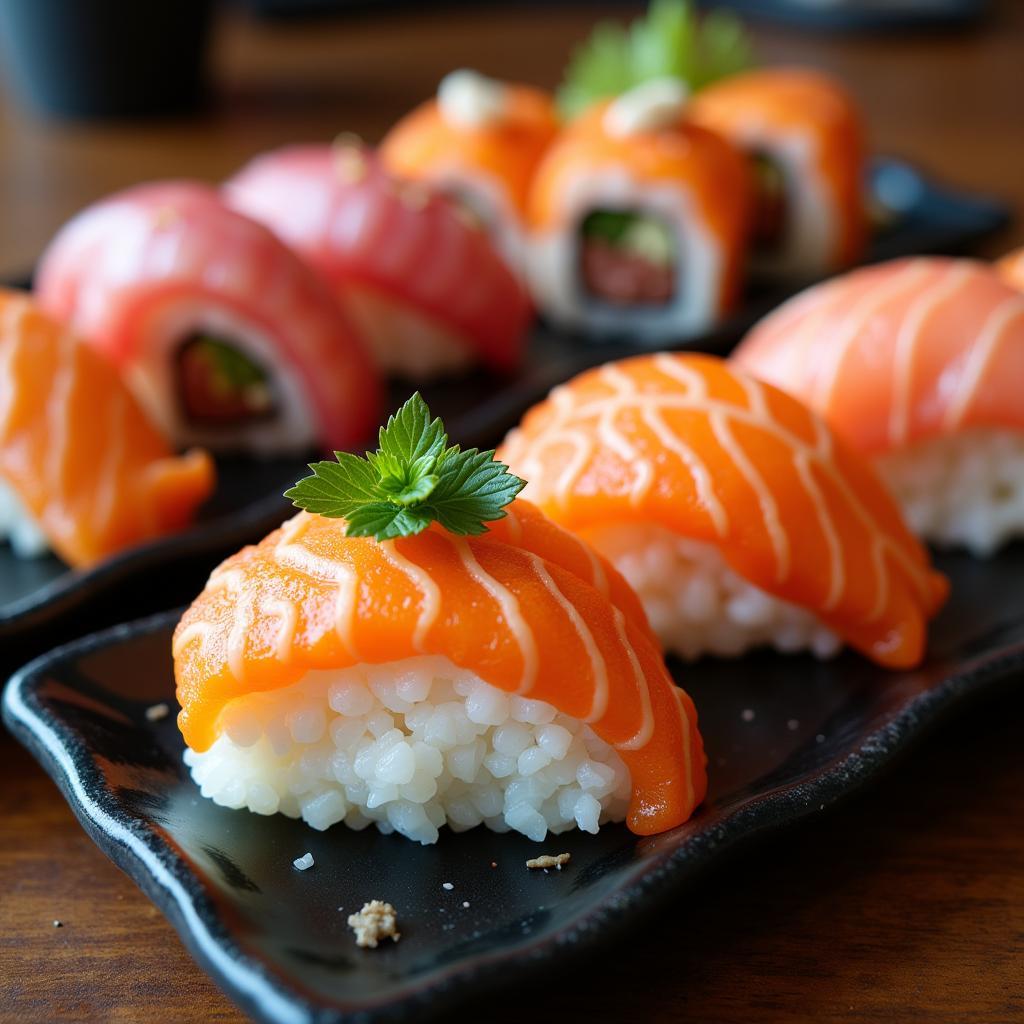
18	528
961	489
411	746
697	605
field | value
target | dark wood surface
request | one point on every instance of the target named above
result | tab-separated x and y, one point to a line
904	904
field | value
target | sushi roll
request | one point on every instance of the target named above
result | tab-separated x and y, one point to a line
919	363
480	141
638	220
83	472
422	662
226	337
738	517
1011	267
804	137
427	289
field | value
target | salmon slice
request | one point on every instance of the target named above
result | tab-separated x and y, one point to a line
905	351
694	446
527	607
76	448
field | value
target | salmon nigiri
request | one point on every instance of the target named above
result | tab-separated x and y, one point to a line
733	510
227	338
805	138
638	219
425	285
479	140
919	363
405	664
82	470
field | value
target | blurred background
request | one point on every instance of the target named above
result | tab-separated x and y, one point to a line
99	94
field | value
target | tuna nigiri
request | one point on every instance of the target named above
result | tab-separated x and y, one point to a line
82	470
732	509
480	140
805	139
226	337
919	363
424	284
638	219
431	674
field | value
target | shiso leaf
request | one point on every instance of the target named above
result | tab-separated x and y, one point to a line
671	41
415	478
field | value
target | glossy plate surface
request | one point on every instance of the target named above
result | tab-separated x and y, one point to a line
43	599
785	736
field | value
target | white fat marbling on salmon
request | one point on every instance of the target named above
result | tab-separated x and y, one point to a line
424	582
510	612
598	666
643	734
982	352
906	346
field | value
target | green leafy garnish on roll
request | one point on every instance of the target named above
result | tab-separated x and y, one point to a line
671	41
415	478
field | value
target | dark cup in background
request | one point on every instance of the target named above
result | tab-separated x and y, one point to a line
106	58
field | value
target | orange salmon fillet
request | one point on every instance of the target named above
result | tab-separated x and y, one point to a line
900	352
708	452
76	448
527	607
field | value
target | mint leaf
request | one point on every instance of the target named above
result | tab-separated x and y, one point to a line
414	479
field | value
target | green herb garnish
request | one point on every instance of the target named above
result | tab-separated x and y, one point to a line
415	478
672	41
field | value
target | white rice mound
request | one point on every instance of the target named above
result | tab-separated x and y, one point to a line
18	527
962	490
410	746
698	605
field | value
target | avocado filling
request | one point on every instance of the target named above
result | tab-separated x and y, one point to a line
770	203
627	258
220	385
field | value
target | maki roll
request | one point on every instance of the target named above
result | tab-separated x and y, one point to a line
82	470
480	141
733	510
431	657
638	219
226	337
919	363
804	137
396	254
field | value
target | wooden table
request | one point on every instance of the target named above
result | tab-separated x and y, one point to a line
906	903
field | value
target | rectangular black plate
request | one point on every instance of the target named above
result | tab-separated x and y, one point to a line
43	600
275	939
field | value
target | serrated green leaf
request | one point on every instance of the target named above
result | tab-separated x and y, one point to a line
410	482
672	40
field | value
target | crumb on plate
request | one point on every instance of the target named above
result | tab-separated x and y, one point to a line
448	886
545	860
157	712
374	922
303	862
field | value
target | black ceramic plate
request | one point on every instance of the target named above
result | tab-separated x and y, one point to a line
786	736
41	600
